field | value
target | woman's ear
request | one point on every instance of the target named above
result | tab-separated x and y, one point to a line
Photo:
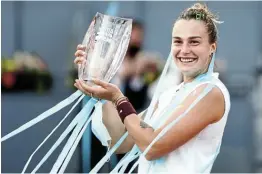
213	48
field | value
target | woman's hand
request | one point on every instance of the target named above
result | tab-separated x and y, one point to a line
80	54
104	90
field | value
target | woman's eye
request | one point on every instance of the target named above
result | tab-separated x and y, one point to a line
177	41
194	42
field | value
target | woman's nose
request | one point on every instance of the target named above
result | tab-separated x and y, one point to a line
185	49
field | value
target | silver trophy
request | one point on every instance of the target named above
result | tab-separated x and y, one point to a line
106	42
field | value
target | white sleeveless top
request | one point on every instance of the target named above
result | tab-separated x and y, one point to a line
199	153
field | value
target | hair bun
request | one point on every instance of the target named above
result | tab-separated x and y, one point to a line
200	6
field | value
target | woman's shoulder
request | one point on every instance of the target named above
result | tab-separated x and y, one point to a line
219	94
218	85
221	86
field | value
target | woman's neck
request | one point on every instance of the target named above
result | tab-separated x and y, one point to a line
190	78
187	79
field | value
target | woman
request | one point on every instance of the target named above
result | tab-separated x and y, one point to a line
192	144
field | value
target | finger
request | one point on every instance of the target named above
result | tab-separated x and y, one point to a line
81	47
101	83
80	53
79	60
80	87
85	87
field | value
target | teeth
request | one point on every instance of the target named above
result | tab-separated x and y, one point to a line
186	60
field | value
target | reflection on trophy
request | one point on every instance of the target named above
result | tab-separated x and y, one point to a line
106	43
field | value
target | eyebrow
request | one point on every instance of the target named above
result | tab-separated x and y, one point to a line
192	37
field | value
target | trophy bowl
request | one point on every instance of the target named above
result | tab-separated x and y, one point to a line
106	42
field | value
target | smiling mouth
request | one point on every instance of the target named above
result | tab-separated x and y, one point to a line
187	60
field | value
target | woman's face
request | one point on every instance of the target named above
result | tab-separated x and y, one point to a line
191	48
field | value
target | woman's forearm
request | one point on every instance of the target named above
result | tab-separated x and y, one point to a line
112	122
141	132
116	128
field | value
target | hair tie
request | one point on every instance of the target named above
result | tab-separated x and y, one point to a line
200	16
